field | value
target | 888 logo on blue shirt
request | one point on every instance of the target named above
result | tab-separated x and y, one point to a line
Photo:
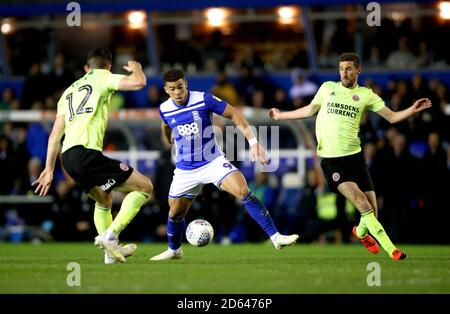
188	129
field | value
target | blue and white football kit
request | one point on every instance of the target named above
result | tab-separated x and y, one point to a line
199	159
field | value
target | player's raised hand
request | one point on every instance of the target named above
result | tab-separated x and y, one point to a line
259	153
421	104
274	113
132	66
43	182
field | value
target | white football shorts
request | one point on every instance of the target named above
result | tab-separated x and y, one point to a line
188	183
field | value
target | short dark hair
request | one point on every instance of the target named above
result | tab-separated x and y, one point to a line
350	56
173	75
99	58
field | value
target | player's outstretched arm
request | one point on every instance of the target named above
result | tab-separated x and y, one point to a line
257	151
167	133
394	117
301	113
45	179
136	80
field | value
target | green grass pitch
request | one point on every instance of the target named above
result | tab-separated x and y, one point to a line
246	268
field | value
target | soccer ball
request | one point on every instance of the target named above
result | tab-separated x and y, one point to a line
199	232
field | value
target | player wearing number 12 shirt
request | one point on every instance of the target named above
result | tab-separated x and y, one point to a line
82	116
187	122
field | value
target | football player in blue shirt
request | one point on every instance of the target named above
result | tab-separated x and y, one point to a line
187	122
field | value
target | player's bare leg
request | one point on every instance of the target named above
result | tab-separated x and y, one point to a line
103	219
361	232
140	189
372	198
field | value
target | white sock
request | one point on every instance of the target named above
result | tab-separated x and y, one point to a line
274	237
175	251
110	235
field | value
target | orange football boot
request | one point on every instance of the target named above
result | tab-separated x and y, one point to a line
369	242
398	255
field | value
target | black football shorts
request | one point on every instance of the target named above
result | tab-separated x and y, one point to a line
91	168
351	168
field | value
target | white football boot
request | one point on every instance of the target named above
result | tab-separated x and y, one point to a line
110	246
126	250
169	254
280	241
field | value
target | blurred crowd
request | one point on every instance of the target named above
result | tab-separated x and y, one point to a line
409	163
400	42
404	43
